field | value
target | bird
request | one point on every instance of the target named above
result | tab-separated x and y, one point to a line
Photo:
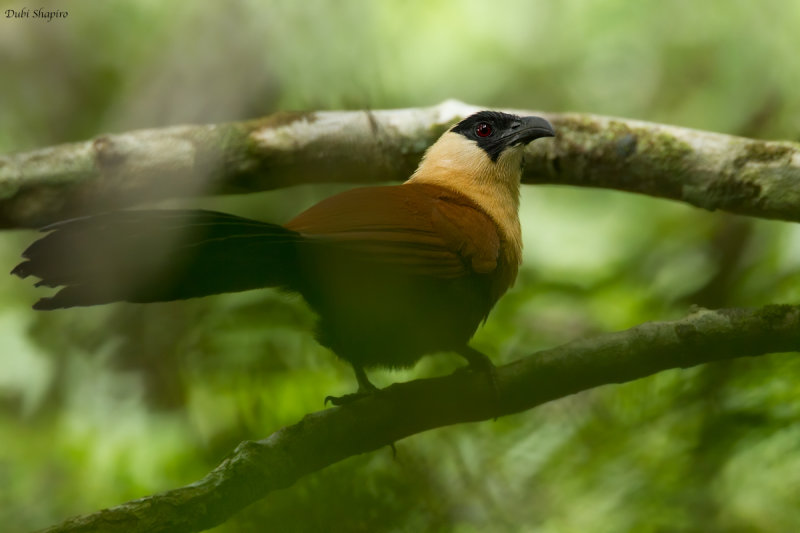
394	272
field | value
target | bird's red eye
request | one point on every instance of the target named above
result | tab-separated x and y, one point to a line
483	130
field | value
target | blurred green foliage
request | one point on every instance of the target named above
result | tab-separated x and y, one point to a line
98	406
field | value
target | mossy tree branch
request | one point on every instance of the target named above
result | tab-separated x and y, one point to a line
708	170
257	468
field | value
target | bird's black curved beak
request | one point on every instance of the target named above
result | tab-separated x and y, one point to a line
527	129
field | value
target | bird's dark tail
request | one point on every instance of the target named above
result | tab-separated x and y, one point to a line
158	255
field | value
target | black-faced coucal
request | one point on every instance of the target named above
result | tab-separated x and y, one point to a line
394	272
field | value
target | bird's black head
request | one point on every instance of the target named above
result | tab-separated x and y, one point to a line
495	131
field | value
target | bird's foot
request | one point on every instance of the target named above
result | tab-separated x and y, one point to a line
365	389
360	394
480	363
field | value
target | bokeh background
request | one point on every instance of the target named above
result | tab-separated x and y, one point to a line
102	405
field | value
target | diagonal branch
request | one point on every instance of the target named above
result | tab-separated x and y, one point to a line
708	170
256	468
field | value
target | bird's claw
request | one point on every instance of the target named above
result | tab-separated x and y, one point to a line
346	399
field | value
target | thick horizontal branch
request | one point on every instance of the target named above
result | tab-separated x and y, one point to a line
276	151
704	169
708	170
256	468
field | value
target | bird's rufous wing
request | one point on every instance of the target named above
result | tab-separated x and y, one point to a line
423	229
